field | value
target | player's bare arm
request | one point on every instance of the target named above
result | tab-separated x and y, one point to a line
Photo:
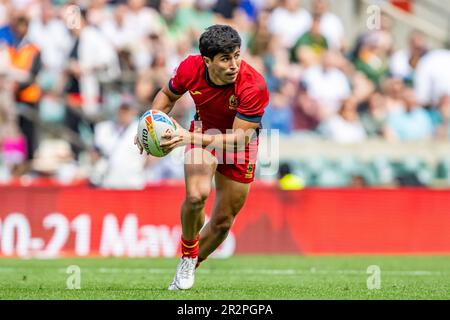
238	139
164	101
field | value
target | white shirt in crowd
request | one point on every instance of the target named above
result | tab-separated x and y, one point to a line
144	22
339	130
432	76
121	36
328	87
399	64
288	25
332	29
99	61
124	165
54	41
3	15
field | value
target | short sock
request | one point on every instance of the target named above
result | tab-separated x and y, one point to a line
189	248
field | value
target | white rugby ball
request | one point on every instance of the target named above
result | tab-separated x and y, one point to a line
152	125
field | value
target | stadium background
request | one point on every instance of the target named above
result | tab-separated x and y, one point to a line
363	156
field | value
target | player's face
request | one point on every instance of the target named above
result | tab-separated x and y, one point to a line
224	68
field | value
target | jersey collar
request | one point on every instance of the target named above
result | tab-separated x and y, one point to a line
212	84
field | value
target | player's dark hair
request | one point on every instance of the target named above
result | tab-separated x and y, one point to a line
219	39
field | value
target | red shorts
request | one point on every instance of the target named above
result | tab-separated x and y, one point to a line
239	165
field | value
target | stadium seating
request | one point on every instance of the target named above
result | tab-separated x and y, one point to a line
320	171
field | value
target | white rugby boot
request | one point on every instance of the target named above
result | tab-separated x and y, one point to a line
185	275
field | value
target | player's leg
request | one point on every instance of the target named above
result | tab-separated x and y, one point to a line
199	169
230	197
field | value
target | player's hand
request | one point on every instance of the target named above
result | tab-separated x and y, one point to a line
174	139
138	144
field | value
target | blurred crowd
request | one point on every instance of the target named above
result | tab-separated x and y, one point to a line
75	75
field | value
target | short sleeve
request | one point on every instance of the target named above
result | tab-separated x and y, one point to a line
180	77
252	102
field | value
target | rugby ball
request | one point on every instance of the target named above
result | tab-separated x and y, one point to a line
152	125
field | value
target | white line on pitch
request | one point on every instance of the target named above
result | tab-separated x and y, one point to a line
286	272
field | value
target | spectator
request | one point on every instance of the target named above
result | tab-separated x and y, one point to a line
384	33
330	24
443	118
261	37
393	89
4	9
403	63
287	180
374	117
54	159
7	105
143	20
432	77
143	23
226	9
6	34
278	115
411	124
159	66
305	110
152	78
13	150
118	31
358	180
92	62
194	19
289	22
167	10
25	64
145	89
129	72
98	12
118	163
327	85
311	46
181	50
277	66
362	87
53	39
372	58
344	127
251	8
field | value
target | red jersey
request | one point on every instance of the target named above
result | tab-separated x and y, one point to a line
218	105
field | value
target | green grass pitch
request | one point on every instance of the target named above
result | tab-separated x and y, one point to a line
240	277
